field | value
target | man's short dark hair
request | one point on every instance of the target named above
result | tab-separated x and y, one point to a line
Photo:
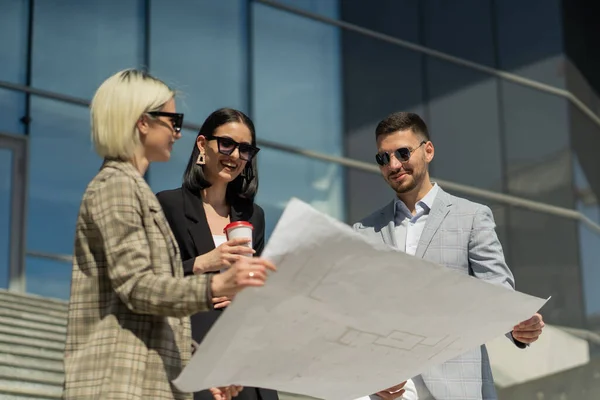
401	121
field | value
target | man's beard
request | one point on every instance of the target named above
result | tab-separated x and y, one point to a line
404	187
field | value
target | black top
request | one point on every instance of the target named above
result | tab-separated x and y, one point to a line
184	211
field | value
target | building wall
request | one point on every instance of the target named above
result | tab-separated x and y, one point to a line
316	87
280	68
313	86
488	133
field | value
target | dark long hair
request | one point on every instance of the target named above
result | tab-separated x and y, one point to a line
242	188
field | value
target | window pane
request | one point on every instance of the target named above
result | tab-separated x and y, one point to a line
372	90
589	244
5	194
108	35
61	164
544	248
315	182
48	277
463	117
13	52
13	62
169	175
473	42
199	48
12	109
297	100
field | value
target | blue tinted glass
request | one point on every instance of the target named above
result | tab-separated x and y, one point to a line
5	193
199	48
297	101
12	109
48	277
99	39
13	62
589	241
169	175
61	164
284	175
13	52
297	80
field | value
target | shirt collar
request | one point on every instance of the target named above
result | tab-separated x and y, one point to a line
425	204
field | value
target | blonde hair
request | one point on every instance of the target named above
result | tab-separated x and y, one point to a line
117	106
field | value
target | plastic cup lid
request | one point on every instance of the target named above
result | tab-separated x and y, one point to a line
237	224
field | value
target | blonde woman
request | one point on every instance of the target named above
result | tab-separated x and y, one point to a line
128	333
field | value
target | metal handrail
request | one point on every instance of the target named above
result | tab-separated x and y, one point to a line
356	164
51	256
507	76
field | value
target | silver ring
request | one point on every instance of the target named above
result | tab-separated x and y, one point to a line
251	274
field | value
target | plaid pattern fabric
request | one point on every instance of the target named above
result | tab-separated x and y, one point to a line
461	235
128	332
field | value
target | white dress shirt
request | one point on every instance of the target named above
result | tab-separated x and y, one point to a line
409	227
408	232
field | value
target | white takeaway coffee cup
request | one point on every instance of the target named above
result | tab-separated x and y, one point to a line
239	229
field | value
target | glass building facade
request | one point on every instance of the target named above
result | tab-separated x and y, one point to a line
508	96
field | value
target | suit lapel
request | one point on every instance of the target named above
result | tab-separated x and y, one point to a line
197	224
387	225
439	210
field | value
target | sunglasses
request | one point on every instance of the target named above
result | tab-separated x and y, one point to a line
176	118
402	154
227	146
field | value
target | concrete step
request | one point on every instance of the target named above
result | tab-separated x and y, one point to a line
33	300
11	393
48	377
34	309
31	363
32	325
32	333
43	344
31	352
25	316
52	368
36	377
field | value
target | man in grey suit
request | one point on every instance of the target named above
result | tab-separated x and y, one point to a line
425	221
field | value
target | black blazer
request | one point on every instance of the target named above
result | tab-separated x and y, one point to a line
185	213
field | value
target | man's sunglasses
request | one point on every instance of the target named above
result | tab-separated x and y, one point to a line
402	154
176	118
227	146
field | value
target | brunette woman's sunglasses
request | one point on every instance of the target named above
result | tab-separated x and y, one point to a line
227	146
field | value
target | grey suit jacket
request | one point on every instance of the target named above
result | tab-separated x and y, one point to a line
461	235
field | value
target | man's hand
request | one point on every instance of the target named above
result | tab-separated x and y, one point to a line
226	393
392	393
529	331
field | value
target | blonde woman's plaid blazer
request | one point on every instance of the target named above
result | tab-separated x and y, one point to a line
128	332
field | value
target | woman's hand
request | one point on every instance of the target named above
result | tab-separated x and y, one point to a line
246	272
223	256
221	302
225	393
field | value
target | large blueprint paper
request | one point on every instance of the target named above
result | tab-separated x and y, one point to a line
343	317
